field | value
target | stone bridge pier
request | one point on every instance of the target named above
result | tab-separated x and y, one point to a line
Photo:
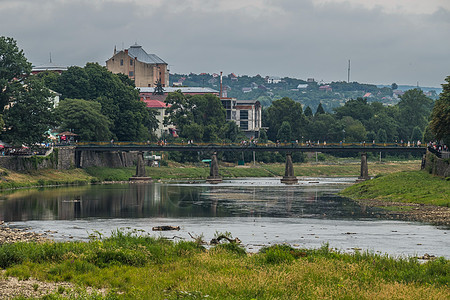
289	177
140	169
214	176
364	174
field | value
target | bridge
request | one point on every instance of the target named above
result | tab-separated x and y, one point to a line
213	149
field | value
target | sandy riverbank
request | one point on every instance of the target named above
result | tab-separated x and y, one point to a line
436	215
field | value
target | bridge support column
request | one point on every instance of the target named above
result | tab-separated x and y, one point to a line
364	175
289	177
214	176
140	169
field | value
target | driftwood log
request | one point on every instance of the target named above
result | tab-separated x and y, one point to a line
165	228
217	240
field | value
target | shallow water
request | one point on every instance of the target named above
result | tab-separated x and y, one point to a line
260	211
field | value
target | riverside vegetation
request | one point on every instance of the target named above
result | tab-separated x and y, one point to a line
134	265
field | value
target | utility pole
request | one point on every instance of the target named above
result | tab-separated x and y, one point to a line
348	72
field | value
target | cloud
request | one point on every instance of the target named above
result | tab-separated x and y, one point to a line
387	41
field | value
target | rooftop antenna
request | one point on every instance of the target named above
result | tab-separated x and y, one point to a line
50	57
348	72
221	95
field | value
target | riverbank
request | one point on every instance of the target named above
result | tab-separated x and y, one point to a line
409	195
138	266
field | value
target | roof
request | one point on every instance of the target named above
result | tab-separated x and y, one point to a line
182	89
155	104
248	102
67	133
48	67
136	51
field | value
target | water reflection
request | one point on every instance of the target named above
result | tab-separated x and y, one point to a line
238	198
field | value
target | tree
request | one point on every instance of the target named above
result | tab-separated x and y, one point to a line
25	102
30	115
282	110
14	67
319	110
308	112
130	119
322	128
416	135
354	130
285	133
414	110
381	136
440	117
199	117
84	118
394	86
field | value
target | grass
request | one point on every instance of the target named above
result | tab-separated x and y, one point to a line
178	171
46	177
136	266
407	186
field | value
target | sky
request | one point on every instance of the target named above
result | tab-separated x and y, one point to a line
387	41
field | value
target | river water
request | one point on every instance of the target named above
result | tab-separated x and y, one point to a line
259	211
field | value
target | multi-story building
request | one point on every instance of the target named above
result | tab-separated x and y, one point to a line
246	114
143	68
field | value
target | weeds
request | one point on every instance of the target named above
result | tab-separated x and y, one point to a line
132	264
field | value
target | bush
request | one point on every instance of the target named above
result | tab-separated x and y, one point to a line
232	248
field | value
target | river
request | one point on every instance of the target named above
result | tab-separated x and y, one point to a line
259	211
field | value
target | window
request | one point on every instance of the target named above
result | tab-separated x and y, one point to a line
131	62
243	115
121	62
131	74
243	125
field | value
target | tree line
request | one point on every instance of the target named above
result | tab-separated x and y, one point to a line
99	105
356	121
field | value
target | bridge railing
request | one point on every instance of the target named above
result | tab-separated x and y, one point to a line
249	144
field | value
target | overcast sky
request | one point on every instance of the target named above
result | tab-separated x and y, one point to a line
401	41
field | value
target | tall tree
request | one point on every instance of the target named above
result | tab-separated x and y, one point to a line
30	115
414	110
288	110
285	132
308	112
199	117
84	118
25	101
440	117
130	119
319	110
14	67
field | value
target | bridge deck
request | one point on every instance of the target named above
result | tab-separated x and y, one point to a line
107	147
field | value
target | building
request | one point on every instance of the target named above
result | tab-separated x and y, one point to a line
273	79
246	114
50	67
143	68
161	107
148	93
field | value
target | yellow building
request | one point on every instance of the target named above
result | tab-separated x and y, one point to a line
143	68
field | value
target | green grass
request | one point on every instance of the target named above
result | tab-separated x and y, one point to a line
177	171
137	266
408	186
